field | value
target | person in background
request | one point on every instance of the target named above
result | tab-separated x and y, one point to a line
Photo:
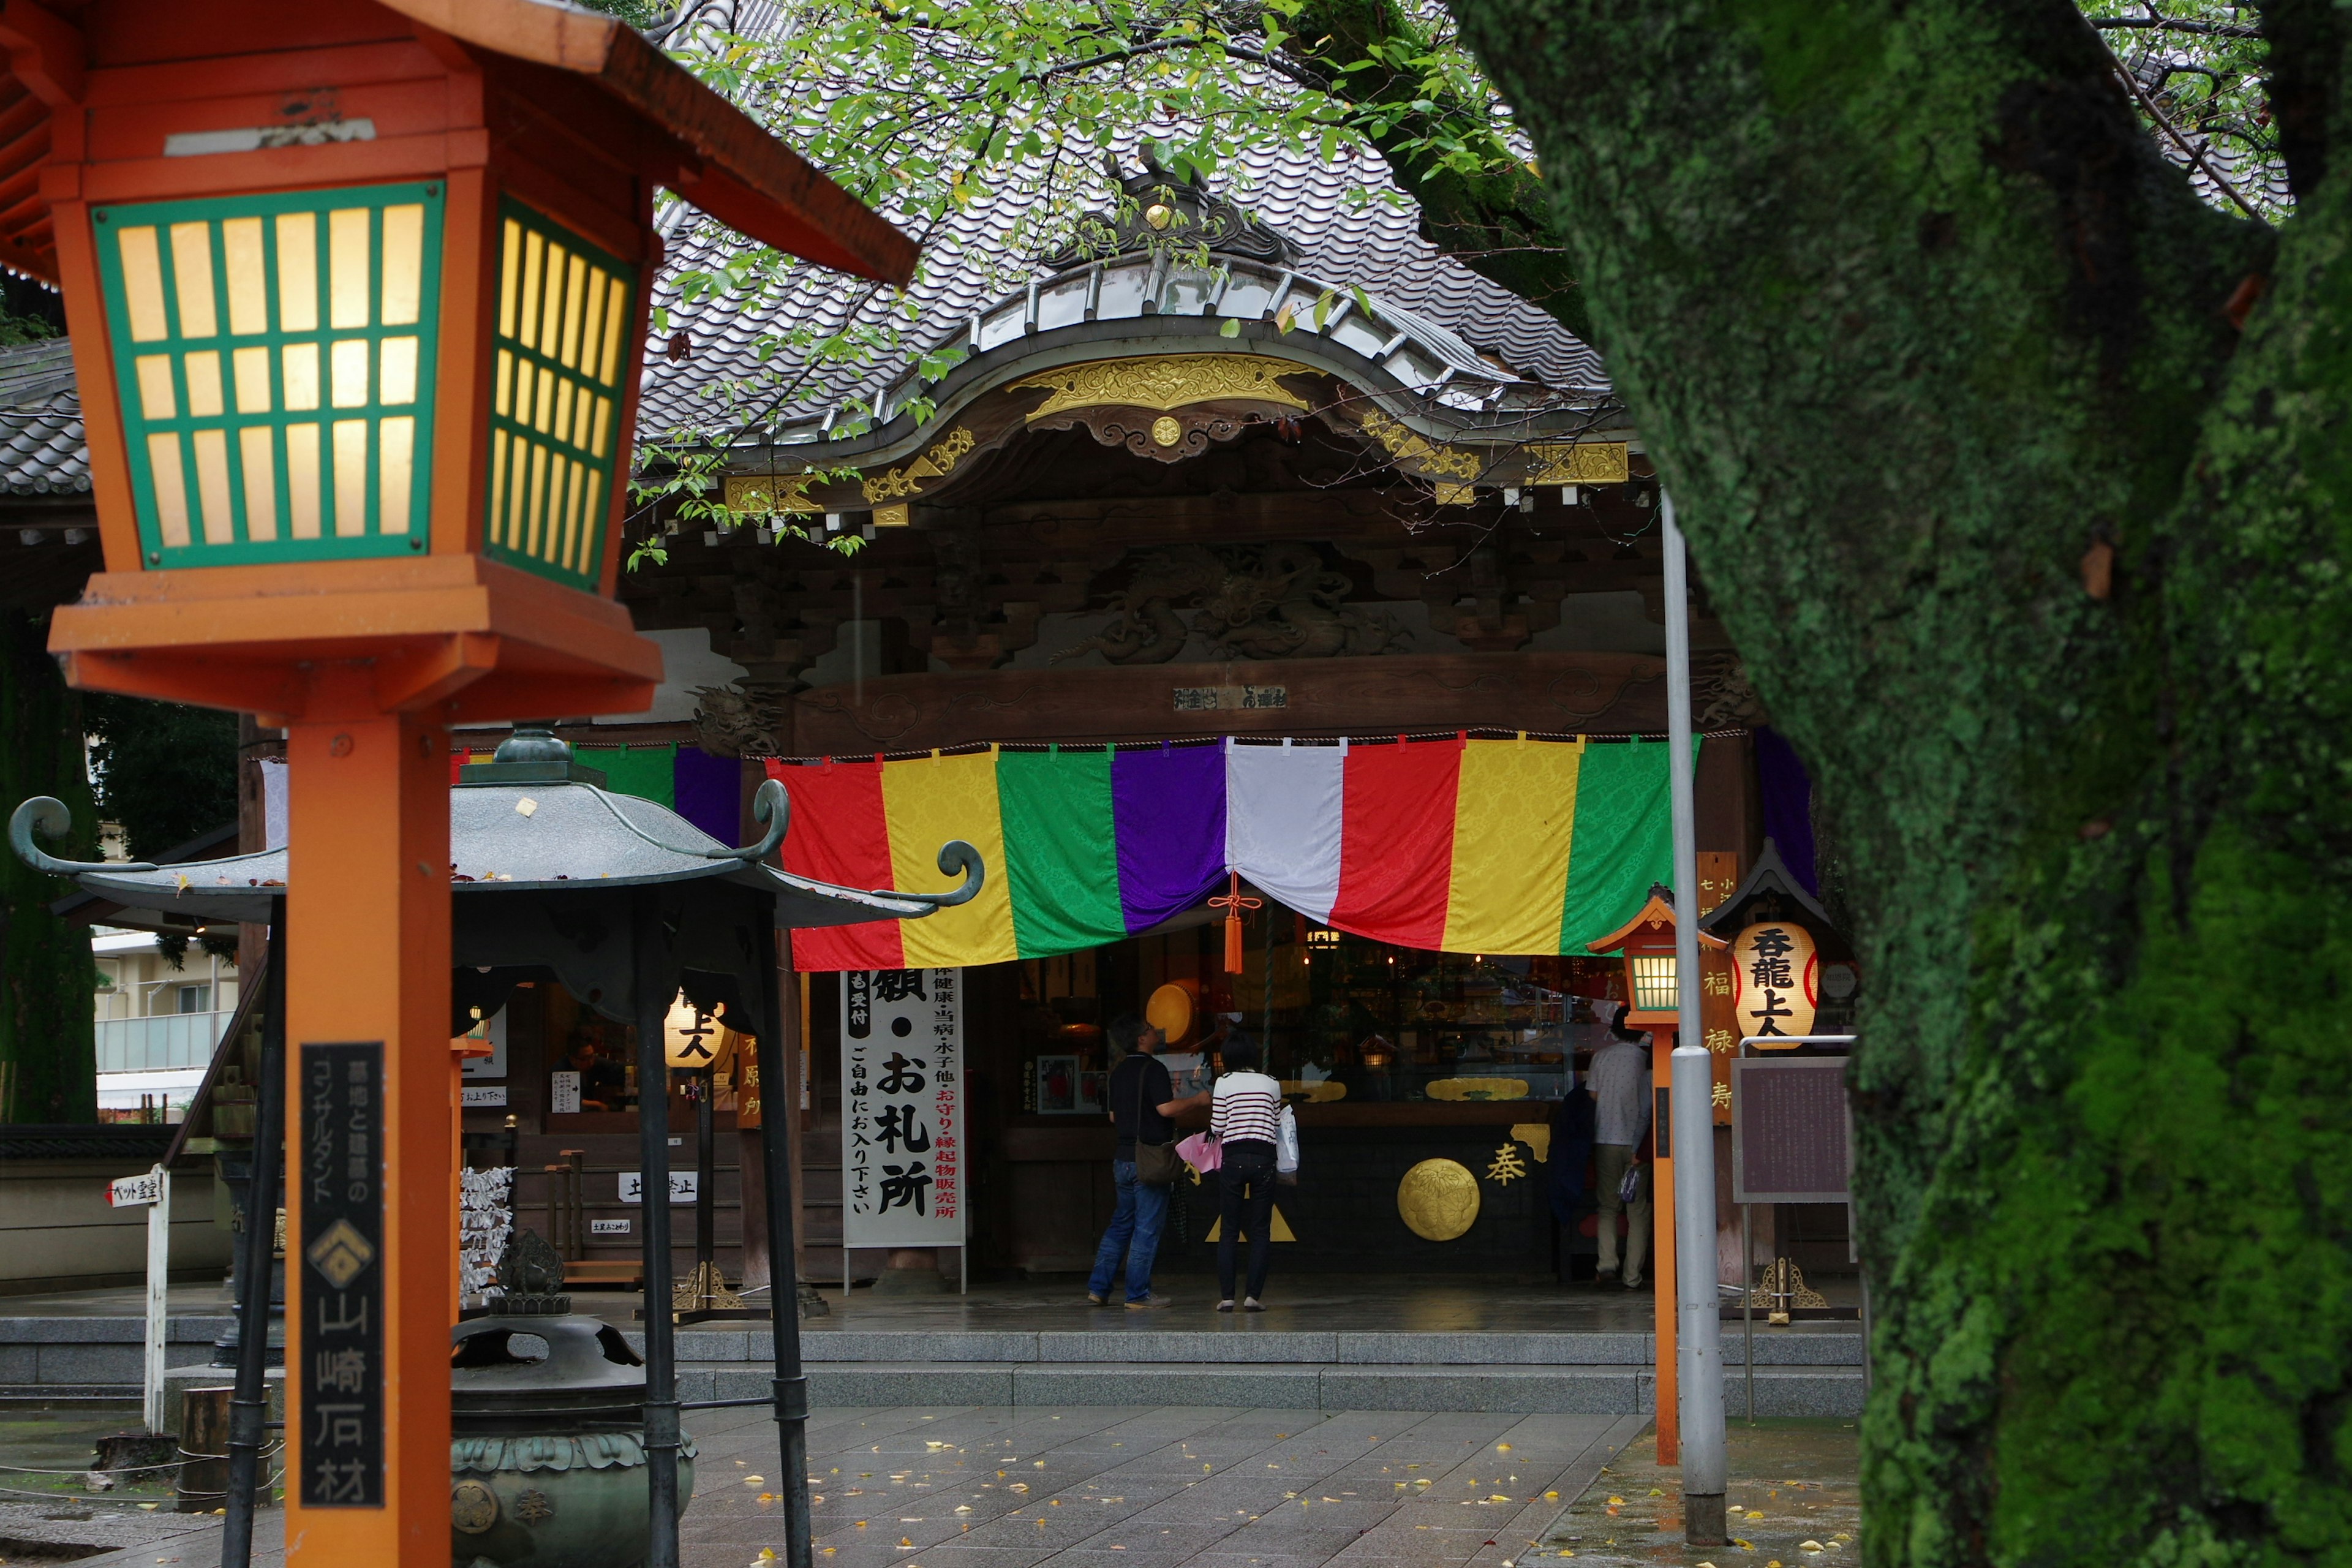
1245	1114
1572	1155
603	1085
1141	1100
1619	1079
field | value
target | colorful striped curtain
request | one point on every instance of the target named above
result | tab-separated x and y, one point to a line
1475	846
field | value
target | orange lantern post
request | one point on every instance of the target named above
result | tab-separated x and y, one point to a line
1647	942
358	295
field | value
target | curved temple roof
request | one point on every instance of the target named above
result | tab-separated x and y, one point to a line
1445	350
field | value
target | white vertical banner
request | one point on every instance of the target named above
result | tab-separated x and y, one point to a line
902	1108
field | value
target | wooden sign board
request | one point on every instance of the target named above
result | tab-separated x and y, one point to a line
1790	1130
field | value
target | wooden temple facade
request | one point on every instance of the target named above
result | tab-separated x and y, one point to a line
1169	494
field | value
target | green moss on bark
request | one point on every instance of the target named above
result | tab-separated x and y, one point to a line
48	1053
1913	317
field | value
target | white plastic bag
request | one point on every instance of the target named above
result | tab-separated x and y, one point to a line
1285	1145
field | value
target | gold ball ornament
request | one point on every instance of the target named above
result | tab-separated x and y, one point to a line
1438	1200
1166	430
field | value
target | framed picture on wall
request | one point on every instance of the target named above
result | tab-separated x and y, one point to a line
1090	1091
1057	1085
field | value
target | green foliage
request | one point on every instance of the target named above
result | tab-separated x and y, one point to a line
2038	559
15	330
48	1053
166	774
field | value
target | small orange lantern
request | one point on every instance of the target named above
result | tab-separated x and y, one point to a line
358	293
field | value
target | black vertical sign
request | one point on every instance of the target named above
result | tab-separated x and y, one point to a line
341	1376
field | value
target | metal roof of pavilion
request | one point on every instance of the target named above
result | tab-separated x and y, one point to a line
548	835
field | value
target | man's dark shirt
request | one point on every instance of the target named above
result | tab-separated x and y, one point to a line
1157	1088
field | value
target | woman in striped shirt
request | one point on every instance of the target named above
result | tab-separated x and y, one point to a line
1245	1115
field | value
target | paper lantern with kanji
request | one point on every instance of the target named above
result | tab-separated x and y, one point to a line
1775	981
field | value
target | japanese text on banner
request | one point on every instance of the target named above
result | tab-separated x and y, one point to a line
902	1107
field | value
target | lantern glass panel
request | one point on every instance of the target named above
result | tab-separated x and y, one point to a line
274	355
565	312
1655	989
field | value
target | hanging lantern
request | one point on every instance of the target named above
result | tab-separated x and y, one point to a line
1775	980
689	1037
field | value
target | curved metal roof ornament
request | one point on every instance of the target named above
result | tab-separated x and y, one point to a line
48	815
773	806
955	856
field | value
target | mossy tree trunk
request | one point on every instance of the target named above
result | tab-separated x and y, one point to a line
48	1053
2040	559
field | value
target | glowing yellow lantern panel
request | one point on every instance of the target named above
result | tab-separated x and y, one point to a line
689	1035
275	358
1775	979
565	310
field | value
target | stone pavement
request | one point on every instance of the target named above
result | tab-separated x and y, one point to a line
1120	1487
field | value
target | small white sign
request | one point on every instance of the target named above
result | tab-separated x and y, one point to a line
684	1186
608	1227
564	1092
491	1094
134	1192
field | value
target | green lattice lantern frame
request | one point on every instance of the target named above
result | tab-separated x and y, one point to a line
561	352
276	357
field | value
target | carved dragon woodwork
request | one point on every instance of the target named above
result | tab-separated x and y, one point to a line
740	722
1721	697
1276	601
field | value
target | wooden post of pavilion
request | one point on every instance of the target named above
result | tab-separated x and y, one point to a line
358	382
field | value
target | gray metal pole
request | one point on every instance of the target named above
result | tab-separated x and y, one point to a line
1698	1309
656	982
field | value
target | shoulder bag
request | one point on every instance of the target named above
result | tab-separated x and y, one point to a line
1156	1165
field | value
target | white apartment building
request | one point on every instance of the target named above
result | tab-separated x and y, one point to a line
157	1026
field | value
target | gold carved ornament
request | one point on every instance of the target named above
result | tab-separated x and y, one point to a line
1404	445
1165	382
1578	463
757	495
937	463
1438	1200
1476	1089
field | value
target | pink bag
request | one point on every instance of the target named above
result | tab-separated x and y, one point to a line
1200	1151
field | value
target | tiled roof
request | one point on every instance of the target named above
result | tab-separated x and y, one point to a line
1376	246
42	451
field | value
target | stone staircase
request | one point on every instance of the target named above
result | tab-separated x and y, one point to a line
1811	1370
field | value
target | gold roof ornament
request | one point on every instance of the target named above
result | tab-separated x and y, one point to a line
1165	382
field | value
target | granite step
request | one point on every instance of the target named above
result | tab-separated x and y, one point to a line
1242	1342
1518	1389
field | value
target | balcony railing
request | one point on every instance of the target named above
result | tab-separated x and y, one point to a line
165	1041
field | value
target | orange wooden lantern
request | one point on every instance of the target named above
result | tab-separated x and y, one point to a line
1653	981
358	292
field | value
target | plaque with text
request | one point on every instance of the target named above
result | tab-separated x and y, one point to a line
1789	1130
339	1377
902	1108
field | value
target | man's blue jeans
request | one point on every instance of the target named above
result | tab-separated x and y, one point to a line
1134	1234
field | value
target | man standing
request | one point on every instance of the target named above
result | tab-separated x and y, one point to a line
1141	1098
1620	1077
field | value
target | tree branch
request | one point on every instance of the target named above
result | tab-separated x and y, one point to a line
1498	223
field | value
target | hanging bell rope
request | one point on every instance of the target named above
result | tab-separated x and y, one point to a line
1234	903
